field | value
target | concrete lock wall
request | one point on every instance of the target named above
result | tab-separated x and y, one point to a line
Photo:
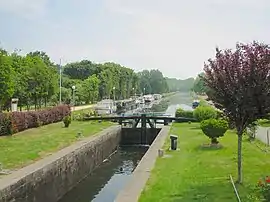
50	178
131	136
134	188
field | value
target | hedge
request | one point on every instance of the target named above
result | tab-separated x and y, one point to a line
204	112
14	122
184	113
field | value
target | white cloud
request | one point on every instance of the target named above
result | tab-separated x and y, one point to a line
177	36
24	8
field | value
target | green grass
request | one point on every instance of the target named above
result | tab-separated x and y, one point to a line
25	147
264	122
201	174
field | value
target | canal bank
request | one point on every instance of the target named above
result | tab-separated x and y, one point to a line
52	177
67	170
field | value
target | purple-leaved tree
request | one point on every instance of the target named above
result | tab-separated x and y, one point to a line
239	84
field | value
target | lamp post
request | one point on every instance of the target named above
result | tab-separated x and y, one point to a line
133	92
73	96
114	94
60	83
143	91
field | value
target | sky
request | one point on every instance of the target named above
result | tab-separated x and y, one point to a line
174	36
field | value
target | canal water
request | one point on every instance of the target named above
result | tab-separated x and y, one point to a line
104	184
179	100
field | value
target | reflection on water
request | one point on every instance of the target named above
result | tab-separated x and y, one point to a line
179	100
104	183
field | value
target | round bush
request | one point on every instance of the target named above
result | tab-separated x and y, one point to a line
183	113
214	128
67	121
220	114
204	112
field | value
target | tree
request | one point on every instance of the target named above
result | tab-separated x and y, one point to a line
6	78
180	85
152	82
239	83
199	85
204	112
214	128
90	88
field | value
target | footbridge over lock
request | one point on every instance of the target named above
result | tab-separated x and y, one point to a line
141	128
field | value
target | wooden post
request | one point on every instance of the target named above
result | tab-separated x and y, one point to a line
144	127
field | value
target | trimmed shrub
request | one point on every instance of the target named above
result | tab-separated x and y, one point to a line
5	124
67	121
214	128
183	113
204	112
14	122
220	114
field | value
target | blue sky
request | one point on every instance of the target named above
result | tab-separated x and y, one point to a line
175	36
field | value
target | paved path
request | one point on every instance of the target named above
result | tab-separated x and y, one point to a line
81	107
261	134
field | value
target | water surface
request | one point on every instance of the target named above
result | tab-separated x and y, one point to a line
104	184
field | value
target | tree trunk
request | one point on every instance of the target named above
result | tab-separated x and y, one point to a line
239	159
45	102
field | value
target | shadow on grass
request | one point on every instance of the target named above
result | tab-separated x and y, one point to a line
218	190
209	147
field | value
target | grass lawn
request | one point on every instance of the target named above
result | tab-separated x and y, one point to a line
264	122
25	147
201	174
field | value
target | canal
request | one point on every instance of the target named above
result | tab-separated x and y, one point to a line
104	184
109	178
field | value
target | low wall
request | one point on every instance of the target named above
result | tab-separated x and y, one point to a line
132	191
131	136
52	177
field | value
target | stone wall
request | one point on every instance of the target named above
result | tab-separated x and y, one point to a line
131	136
50	178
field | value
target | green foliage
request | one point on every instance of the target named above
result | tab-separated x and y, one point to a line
6	79
90	88
5	124
180	85
199	86
220	115
67	121
214	128
183	113
153	82
251	130
264	188
34	80
204	112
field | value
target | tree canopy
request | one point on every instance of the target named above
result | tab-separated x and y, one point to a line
34	79
180	85
239	83
199	86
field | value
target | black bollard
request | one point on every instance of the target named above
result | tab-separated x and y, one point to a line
173	142
166	122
